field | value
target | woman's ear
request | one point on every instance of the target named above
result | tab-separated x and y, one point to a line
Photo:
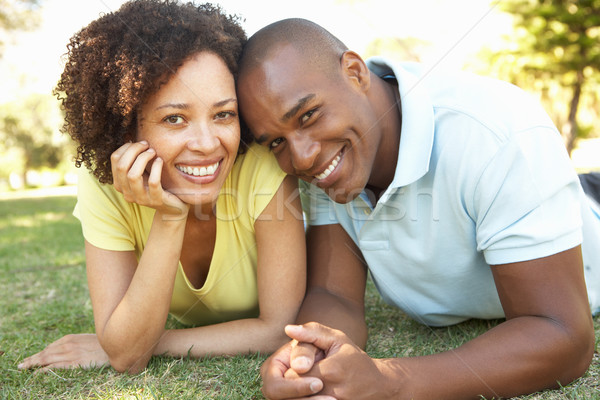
131	133
354	67
129	136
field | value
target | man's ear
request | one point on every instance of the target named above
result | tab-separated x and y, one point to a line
355	69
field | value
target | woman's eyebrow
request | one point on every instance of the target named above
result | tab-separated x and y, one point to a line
184	106
181	106
224	102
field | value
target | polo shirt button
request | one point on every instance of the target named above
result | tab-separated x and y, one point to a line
367	211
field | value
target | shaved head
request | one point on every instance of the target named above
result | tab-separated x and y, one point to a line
314	103
318	46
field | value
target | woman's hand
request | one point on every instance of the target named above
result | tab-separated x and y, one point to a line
71	351
137	173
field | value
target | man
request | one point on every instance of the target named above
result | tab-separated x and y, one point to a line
457	193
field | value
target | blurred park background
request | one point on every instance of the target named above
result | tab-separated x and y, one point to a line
550	48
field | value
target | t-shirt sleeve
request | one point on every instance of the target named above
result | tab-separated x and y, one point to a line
257	177
103	214
527	200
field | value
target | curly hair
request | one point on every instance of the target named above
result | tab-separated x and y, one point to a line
120	59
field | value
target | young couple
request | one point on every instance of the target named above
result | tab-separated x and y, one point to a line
455	191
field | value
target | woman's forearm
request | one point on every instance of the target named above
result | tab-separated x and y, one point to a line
135	326
242	336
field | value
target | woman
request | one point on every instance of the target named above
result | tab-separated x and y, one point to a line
188	226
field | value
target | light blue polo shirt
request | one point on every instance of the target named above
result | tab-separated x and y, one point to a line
483	178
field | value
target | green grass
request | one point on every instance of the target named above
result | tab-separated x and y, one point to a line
43	296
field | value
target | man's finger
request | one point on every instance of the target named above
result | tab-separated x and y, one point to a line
319	335
281	382
291	388
316	397
302	357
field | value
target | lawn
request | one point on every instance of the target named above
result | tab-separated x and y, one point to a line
44	296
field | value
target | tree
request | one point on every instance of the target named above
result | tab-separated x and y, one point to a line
29	135
17	15
558	42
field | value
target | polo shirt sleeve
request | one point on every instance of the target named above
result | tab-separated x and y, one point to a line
318	208
527	200
103	213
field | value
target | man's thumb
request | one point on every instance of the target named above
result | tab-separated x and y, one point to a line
319	335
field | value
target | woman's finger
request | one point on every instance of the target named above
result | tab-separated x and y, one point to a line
155	189
41	359
122	160
137	177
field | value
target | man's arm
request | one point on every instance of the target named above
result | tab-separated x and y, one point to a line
547	339
335	296
337	277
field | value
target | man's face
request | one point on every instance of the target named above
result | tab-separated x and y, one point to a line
320	126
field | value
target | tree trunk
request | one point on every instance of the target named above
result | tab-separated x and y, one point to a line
570	128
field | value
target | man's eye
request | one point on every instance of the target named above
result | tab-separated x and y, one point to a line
276	142
307	116
174	119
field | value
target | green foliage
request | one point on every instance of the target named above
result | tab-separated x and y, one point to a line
557	42
558	37
30	137
17	15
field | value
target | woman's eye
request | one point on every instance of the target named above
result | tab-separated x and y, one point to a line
305	117
276	143
225	115
174	119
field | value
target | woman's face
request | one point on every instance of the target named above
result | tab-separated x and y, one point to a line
192	123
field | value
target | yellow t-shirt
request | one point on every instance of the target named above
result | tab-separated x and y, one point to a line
230	292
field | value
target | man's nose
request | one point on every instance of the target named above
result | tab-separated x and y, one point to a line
304	151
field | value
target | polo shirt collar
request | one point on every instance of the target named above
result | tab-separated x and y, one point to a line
416	139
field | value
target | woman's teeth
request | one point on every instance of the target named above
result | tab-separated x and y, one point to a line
329	169
199	171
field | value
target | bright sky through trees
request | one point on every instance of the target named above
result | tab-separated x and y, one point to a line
456	30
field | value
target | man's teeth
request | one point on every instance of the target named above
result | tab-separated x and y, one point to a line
329	169
199	171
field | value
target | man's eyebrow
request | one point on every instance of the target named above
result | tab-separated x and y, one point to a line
294	110
262	138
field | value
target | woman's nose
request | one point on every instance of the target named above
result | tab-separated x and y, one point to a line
203	139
